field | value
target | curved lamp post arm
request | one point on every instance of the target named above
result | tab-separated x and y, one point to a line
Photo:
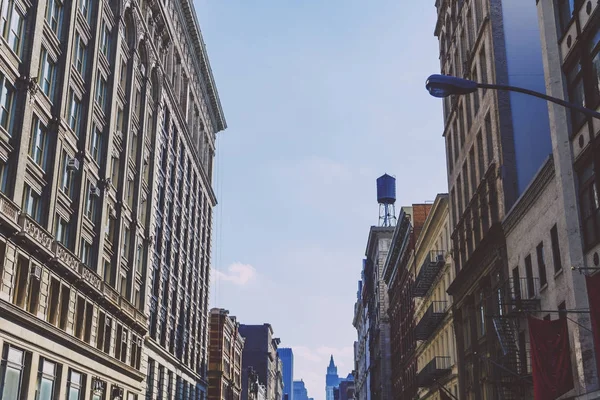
586	111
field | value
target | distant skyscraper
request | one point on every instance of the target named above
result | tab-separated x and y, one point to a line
287	358
299	390
332	379
260	355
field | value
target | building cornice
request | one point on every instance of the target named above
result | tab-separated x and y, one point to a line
541	180
202	64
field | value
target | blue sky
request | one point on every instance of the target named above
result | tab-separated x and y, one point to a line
321	97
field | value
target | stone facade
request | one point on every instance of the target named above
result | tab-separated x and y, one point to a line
87	87
261	363
226	346
375	300
433	271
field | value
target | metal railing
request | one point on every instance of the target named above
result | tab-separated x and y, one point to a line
524	288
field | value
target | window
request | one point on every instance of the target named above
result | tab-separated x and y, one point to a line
7	104
541	263
589	205
32	203
47	74
125	244
101	92
46	380
139	258
137	298
90	203
123	284
123	74
133	142
104	329
449	152
3	176
583	78
21	280
562	310
80	56
66	183
53	302
138	101
33	292
120	119
105	40
12	21
79	317
38	143
75	114
85	6
483	67
489	138
75	385
566	10
480	160
529	276
62	231
576	94
54	10
114	171
85	253
107	271
65	297
556	258
121	344
96	145
130	192
473	170
13	368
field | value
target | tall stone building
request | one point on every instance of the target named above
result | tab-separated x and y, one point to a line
398	276
375	301
226	347
362	357
103	117
496	142
260	357
434	331
184	116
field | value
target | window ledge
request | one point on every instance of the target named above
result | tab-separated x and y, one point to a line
544	287
558	273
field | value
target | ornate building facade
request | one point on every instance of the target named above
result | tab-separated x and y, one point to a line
496	142
104	115
225	357
434	331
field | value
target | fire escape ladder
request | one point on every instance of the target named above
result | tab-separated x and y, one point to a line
508	368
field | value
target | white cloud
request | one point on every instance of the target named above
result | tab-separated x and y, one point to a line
237	273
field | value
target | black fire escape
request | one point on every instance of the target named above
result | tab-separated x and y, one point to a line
511	370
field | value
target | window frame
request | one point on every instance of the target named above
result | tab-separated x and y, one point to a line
8	363
38	143
47	74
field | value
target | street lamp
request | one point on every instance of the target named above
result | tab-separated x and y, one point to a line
445	85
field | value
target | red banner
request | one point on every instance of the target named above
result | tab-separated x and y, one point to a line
550	358
593	289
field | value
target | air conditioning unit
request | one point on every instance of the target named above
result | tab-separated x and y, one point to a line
36	272
72	164
95	191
